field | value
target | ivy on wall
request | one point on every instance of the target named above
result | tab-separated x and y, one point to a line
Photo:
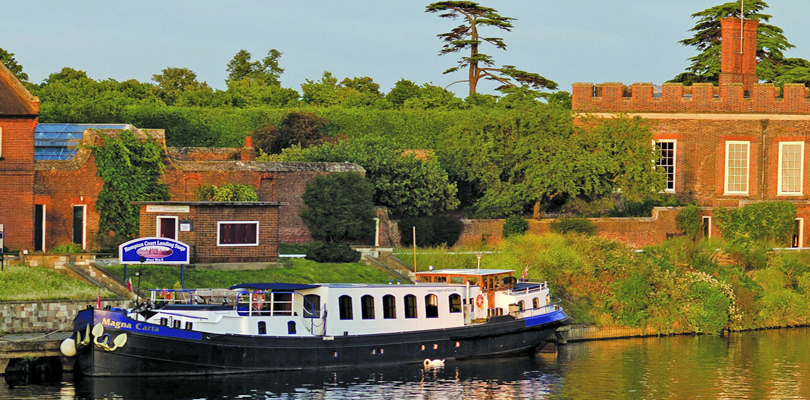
131	170
773	221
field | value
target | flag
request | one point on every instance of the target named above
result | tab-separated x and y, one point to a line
129	284
98	301
525	272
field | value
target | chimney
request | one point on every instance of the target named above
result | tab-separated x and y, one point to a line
248	153
739	56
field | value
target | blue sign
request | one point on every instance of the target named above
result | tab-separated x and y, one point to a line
154	250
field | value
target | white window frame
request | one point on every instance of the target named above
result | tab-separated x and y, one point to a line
747	169
176	225
674	162
801	232
84	224
44	225
706	218
258	233
801	170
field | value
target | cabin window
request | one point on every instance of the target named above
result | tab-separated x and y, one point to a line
291	327
389	307
282	304
189	326
312	306
410	306
431	306
367	306
455	303
345	303
521	305
262	328
535	303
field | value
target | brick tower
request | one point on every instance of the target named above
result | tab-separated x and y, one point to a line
19	111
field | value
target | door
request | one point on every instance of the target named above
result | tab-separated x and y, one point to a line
167	227
78	225
39	227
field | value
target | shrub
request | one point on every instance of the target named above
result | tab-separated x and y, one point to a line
769	221
690	222
70	248
515	225
430	231
573	224
333	253
227	192
339	207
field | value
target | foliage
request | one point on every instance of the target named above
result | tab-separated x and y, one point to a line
333	253
467	37
265	72
339	207
296	129
515	225
172	83
575	225
7	59
430	231
69	248
771	44
644	207
690	222
227	192
131	170
772	222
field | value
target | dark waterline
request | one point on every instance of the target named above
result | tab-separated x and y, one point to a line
750	365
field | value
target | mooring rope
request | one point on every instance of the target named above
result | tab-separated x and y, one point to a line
29	339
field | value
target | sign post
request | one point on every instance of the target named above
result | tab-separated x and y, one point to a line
155	250
2	267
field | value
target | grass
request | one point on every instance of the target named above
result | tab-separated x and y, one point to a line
21	283
296	271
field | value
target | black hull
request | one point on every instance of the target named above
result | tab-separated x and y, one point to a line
149	355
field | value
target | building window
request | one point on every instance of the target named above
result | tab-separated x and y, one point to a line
707	227
389	307
40	216
455	303
79	227
345	303
791	168
666	149
236	233
367	307
312	306
167	227
410	306
737	162
431	306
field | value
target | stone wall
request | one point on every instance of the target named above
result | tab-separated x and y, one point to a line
46	316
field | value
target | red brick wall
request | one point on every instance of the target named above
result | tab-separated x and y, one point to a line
204	234
17	182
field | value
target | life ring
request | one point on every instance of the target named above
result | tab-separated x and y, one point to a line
479	301
258	300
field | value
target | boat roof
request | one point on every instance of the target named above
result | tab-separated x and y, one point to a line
275	287
467	272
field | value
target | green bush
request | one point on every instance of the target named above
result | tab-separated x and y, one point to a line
690	222
515	225
227	192
430	231
70	248
773	222
339	207
333	253
574	224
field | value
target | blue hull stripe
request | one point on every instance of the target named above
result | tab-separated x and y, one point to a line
555	316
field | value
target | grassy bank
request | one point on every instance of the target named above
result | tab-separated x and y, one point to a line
20	283
294	271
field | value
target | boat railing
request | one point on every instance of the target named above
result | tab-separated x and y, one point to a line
282	304
529	289
545	309
192	296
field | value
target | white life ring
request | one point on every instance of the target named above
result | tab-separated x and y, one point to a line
479	301
258	300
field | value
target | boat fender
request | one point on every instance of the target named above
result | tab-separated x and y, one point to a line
68	347
258	300
479	301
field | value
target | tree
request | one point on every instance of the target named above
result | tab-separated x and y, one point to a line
265	72
301	129
771	45
466	36
402	90
339	207
173	82
8	60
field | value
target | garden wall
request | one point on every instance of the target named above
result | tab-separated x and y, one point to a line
46	316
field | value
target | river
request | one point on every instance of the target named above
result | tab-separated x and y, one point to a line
771	364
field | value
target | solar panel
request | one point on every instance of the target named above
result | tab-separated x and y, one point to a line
60	141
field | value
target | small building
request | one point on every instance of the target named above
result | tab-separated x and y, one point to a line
217	231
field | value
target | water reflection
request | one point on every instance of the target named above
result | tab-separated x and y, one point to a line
754	365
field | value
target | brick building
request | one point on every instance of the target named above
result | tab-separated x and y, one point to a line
727	145
49	185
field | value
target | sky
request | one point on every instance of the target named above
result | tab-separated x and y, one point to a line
566	41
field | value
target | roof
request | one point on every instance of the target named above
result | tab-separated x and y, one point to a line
275	287
466	272
61	141
15	99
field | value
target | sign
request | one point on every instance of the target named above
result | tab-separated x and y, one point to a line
154	250
166	209
186	225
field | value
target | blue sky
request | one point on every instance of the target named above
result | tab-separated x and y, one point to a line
565	40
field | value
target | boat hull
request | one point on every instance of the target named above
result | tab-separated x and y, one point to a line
159	351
